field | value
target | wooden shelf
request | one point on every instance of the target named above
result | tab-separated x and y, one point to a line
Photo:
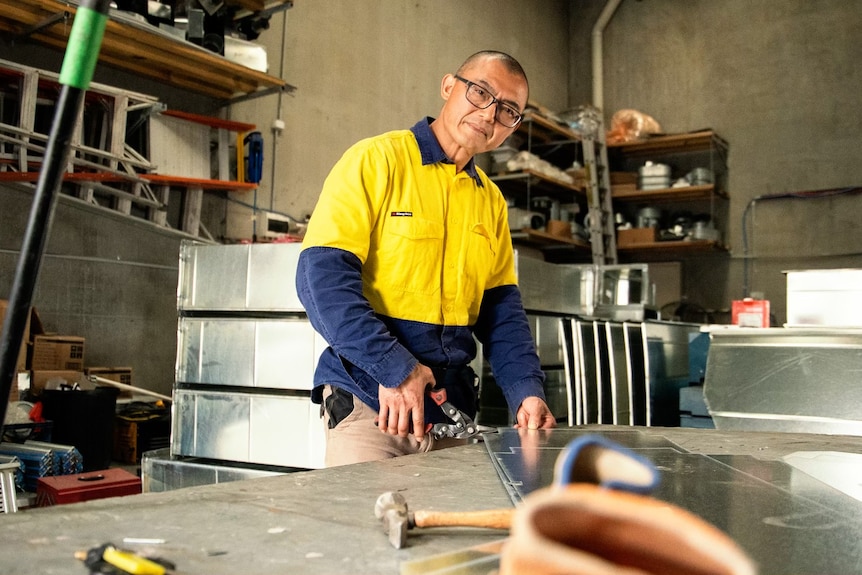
539	184
139	48
684	193
156	179
250	5
676	143
543	130
538	237
675	247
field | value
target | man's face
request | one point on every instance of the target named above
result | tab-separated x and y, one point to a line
472	128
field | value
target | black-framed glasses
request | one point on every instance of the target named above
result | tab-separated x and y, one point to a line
482	98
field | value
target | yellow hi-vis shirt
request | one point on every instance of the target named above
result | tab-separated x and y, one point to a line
431	240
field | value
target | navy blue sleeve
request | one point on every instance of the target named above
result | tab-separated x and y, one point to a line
329	285
508	344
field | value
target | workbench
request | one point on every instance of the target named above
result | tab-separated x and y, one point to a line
322	521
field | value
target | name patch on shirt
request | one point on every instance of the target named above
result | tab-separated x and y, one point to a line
401	214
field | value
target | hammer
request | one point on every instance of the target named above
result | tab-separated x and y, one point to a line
391	508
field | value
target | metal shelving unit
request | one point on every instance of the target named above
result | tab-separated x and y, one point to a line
523	186
685	151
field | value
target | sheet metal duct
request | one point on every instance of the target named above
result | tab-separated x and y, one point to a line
246	354
777	379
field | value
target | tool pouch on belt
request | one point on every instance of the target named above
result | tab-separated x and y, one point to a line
462	390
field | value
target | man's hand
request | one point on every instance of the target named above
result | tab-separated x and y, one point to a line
405	405
534	414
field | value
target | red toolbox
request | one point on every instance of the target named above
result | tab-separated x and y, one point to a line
61	489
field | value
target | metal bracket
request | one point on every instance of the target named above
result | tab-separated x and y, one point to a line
286	89
49	21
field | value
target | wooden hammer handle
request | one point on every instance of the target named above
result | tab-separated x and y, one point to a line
490	518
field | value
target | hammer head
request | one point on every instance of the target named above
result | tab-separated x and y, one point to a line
391	509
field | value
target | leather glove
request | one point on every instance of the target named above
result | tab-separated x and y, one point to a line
585	525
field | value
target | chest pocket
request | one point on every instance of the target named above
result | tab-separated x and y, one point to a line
410	255
481	254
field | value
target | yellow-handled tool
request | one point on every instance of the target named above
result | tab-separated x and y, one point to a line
124	560
131	563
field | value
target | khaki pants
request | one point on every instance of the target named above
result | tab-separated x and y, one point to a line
357	439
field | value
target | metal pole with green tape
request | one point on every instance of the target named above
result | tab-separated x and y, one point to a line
79	62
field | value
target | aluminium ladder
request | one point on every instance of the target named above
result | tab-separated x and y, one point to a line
601	215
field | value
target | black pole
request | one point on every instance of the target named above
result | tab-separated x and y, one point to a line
79	62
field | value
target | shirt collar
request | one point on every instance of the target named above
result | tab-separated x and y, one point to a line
431	151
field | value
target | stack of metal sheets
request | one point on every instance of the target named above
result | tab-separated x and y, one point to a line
67	459
38	461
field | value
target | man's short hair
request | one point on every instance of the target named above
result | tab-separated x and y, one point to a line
508	61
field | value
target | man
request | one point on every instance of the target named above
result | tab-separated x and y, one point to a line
406	257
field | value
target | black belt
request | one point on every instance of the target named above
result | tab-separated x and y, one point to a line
461	374
462	389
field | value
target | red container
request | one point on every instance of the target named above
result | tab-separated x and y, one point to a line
61	489
750	312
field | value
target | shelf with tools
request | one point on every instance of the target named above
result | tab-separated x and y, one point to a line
534	172
670	249
544	240
141	48
676	185
530	182
664	195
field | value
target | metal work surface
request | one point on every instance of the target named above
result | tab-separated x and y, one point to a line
785	519
525	460
323	521
319	521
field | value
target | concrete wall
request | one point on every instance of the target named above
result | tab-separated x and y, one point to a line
781	82
361	67
105	277
365	67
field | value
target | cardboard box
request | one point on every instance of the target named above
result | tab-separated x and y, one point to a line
623	190
636	237
134	436
22	356
40	379
624	178
119	374
57	352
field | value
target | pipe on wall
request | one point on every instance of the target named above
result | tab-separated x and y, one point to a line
598	67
